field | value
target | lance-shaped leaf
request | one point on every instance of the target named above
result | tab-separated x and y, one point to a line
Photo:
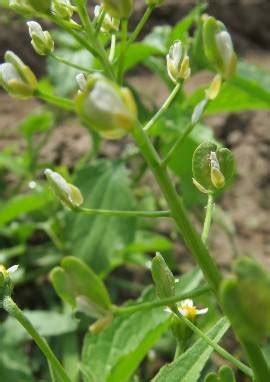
188	367
80	287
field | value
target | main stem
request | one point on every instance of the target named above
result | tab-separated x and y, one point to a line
208	217
190	236
10	306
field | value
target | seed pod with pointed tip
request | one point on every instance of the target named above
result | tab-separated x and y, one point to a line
218	47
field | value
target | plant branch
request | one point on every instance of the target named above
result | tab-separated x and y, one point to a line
189	234
144	214
69	63
121	61
208	217
159	303
134	35
164	107
220	350
11	308
63	103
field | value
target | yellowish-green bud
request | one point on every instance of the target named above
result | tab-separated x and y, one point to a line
218	47
214	88
62	8
5	281
178	62
42	41
109	24
217	178
120	9
108	108
16	77
68	194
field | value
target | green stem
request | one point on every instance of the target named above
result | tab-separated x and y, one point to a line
208	217
164	107
82	10
99	21
63	103
112	48
181	139
71	64
121	62
10	307
159	303
222	352
189	234
134	35
145	214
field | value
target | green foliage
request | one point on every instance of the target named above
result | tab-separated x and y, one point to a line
188	366
225	374
105	185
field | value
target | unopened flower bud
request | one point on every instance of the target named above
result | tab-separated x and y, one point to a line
62	8
178	62
218	47
16	77
5	281
163	278
120	9
107	108
69	194
81	81
214	88
109	23
42	41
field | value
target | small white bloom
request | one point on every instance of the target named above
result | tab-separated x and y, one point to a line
187	309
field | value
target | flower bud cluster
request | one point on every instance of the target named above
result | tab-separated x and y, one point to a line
110	24
120	9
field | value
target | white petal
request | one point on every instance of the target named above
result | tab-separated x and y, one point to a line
202	311
13	268
168	310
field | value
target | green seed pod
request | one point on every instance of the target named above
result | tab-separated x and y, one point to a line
16	77
163	278
62	9
79	286
178	62
213	168
42	41
107	108
120	9
218	47
68	194
248	290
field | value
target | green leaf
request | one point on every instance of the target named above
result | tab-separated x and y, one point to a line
225	374
114	354
188	367
99	239
138	52
77	280
23	204
36	123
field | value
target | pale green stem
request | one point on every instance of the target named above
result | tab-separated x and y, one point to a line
164	107
134	35
13	310
220	350
208	217
112	48
63	103
125	214
159	303
178	143
82	10
123	48
71	64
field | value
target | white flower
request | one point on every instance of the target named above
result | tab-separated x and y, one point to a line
187	309
13	269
